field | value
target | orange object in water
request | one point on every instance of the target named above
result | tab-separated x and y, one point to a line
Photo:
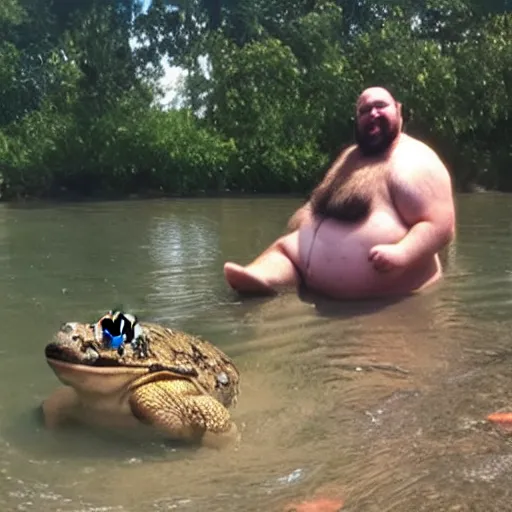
316	505
501	417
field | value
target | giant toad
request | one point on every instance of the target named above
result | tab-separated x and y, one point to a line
119	372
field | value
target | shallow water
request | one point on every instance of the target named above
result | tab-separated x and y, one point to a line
379	403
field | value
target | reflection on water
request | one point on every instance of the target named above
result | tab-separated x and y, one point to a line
381	403
184	249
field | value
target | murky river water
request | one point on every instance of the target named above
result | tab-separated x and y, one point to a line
381	404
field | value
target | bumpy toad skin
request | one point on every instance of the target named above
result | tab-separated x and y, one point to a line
172	381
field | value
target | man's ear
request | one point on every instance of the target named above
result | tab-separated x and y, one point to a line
399	107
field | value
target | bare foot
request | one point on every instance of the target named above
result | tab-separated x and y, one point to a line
241	280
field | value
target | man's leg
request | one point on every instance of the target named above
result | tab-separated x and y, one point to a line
273	269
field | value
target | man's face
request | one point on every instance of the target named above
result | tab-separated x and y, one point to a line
378	121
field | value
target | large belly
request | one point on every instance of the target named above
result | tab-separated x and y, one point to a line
334	260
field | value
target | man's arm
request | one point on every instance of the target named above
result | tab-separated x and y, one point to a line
423	197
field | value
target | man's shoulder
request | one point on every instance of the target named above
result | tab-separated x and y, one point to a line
410	143
412	152
350	149
415	164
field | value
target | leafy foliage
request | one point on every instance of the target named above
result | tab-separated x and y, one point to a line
268	98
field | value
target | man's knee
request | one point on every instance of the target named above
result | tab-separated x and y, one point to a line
288	246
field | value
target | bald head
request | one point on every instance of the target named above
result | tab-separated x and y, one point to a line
374	94
378	120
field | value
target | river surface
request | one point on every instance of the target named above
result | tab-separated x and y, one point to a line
382	404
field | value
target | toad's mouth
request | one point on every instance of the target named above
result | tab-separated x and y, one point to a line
67	367
90	357
60	357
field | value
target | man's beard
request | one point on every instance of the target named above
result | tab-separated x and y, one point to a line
371	145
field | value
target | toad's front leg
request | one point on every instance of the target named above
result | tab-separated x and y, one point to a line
178	409
60	408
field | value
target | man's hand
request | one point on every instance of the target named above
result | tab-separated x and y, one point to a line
387	257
